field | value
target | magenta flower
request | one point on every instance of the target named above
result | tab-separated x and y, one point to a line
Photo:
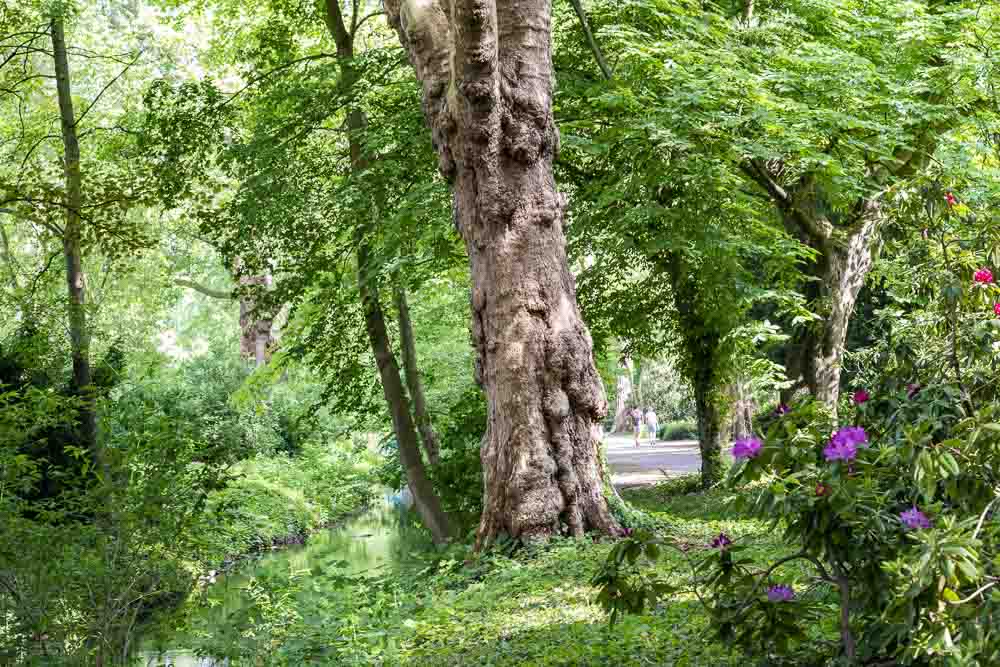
983	276
996	308
782	409
912	389
860	396
914	519
746	448
950	198
780	593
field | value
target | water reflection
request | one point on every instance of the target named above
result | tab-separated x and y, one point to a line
379	539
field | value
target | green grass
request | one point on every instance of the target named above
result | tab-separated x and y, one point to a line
535	608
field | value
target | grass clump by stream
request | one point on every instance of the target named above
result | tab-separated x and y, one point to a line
280	499
534	606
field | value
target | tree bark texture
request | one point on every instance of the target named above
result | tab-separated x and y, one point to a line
72	245
486	71
408	349
624	392
711	433
424	497
256	327
845	253
845	256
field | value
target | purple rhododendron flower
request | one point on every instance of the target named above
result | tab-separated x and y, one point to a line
853	434
914	519
746	448
780	593
844	444
782	409
721	542
840	451
860	396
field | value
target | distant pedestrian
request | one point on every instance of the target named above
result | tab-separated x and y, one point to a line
637	423
652	423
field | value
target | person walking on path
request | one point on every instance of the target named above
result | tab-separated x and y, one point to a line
651	422
637	423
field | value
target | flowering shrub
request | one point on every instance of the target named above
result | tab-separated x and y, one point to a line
893	516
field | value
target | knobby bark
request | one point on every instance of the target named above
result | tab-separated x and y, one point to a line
72	246
408	351
424	496
425	499
256	326
486	71
845	254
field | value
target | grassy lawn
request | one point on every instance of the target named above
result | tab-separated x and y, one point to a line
539	609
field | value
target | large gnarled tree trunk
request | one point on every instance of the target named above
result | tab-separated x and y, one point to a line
486	71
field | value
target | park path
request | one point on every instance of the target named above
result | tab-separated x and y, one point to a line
646	464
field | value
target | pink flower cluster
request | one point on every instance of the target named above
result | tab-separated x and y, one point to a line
860	396
996	309
983	277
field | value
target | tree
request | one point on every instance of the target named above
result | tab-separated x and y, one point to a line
486	72
310	189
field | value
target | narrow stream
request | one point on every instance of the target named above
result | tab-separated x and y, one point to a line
370	542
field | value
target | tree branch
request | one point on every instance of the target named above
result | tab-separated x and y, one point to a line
591	42
207	291
93	103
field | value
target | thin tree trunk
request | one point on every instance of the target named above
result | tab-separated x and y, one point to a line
424	497
72	241
9	258
624	391
486	70
591	41
408	350
711	433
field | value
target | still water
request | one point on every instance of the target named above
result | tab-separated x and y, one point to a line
369	543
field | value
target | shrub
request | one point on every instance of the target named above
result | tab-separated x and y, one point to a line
679	430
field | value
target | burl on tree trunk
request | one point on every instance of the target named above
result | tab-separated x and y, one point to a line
486	71
844	255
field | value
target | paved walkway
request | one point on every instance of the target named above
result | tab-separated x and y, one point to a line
649	463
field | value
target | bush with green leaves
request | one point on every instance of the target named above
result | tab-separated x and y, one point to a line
679	430
894	511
